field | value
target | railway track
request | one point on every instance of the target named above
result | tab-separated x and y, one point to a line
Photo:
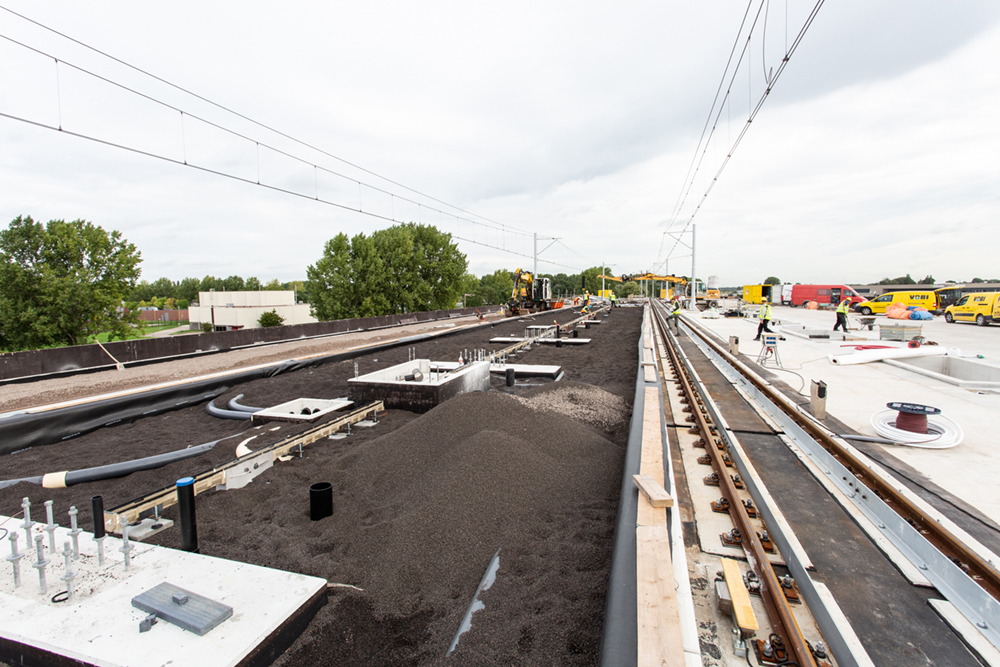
928	548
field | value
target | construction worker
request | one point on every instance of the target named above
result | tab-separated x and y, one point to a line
586	302
675	313
614	300
842	309
765	317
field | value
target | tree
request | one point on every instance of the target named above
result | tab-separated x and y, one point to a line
209	283
187	289
347	280
588	279
141	292
405	268
628	289
902	280
299	287
976	281
771	280
273	285
496	287
252	284
928	280
270	318
470	287
63	282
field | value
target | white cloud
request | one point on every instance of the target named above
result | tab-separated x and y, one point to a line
573	120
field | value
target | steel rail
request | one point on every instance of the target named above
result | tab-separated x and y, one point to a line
778	609
952	546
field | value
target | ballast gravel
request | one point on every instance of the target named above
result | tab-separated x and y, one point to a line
421	504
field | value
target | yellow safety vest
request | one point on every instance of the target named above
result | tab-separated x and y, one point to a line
844	306
765	311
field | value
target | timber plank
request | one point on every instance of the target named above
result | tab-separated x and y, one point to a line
653	491
742	609
658	627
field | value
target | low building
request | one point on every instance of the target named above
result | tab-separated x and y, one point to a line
227	311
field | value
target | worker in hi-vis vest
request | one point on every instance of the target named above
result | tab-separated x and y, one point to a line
675	313
765	317
842	309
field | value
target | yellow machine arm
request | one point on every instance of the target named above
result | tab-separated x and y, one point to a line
650	276
522	283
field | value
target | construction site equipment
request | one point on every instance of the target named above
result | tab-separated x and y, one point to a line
757	293
531	295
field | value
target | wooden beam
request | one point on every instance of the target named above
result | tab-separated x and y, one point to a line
659	640
742	609
653	491
652	437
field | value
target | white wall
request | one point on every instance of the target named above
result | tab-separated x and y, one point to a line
269	298
246	316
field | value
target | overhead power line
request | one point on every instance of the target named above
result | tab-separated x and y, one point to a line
216	172
481	221
717	111
239	135
249	119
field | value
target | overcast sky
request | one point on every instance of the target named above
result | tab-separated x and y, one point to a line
875	155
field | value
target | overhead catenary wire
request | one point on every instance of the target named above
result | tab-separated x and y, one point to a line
752	114
249	119
248	181
678	204
240	135
488	225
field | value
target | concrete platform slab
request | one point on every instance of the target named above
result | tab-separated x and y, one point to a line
99	626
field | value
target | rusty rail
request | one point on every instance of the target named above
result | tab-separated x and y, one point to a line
778	609
951	545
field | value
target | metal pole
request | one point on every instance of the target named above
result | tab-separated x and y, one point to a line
534	271
694	280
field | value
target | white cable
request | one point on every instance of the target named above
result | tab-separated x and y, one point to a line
942	433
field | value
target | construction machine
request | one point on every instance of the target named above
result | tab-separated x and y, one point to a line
531	295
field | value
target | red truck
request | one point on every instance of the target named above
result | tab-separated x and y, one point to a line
802	294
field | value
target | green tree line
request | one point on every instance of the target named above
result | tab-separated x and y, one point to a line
184	292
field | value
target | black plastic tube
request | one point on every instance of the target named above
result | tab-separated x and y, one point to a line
97	509
124	468
185	509
234	404
226	414
510	377
320	500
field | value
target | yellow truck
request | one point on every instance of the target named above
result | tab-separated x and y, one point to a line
982	308
923	299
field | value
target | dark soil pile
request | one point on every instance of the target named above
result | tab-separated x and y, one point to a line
421	505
